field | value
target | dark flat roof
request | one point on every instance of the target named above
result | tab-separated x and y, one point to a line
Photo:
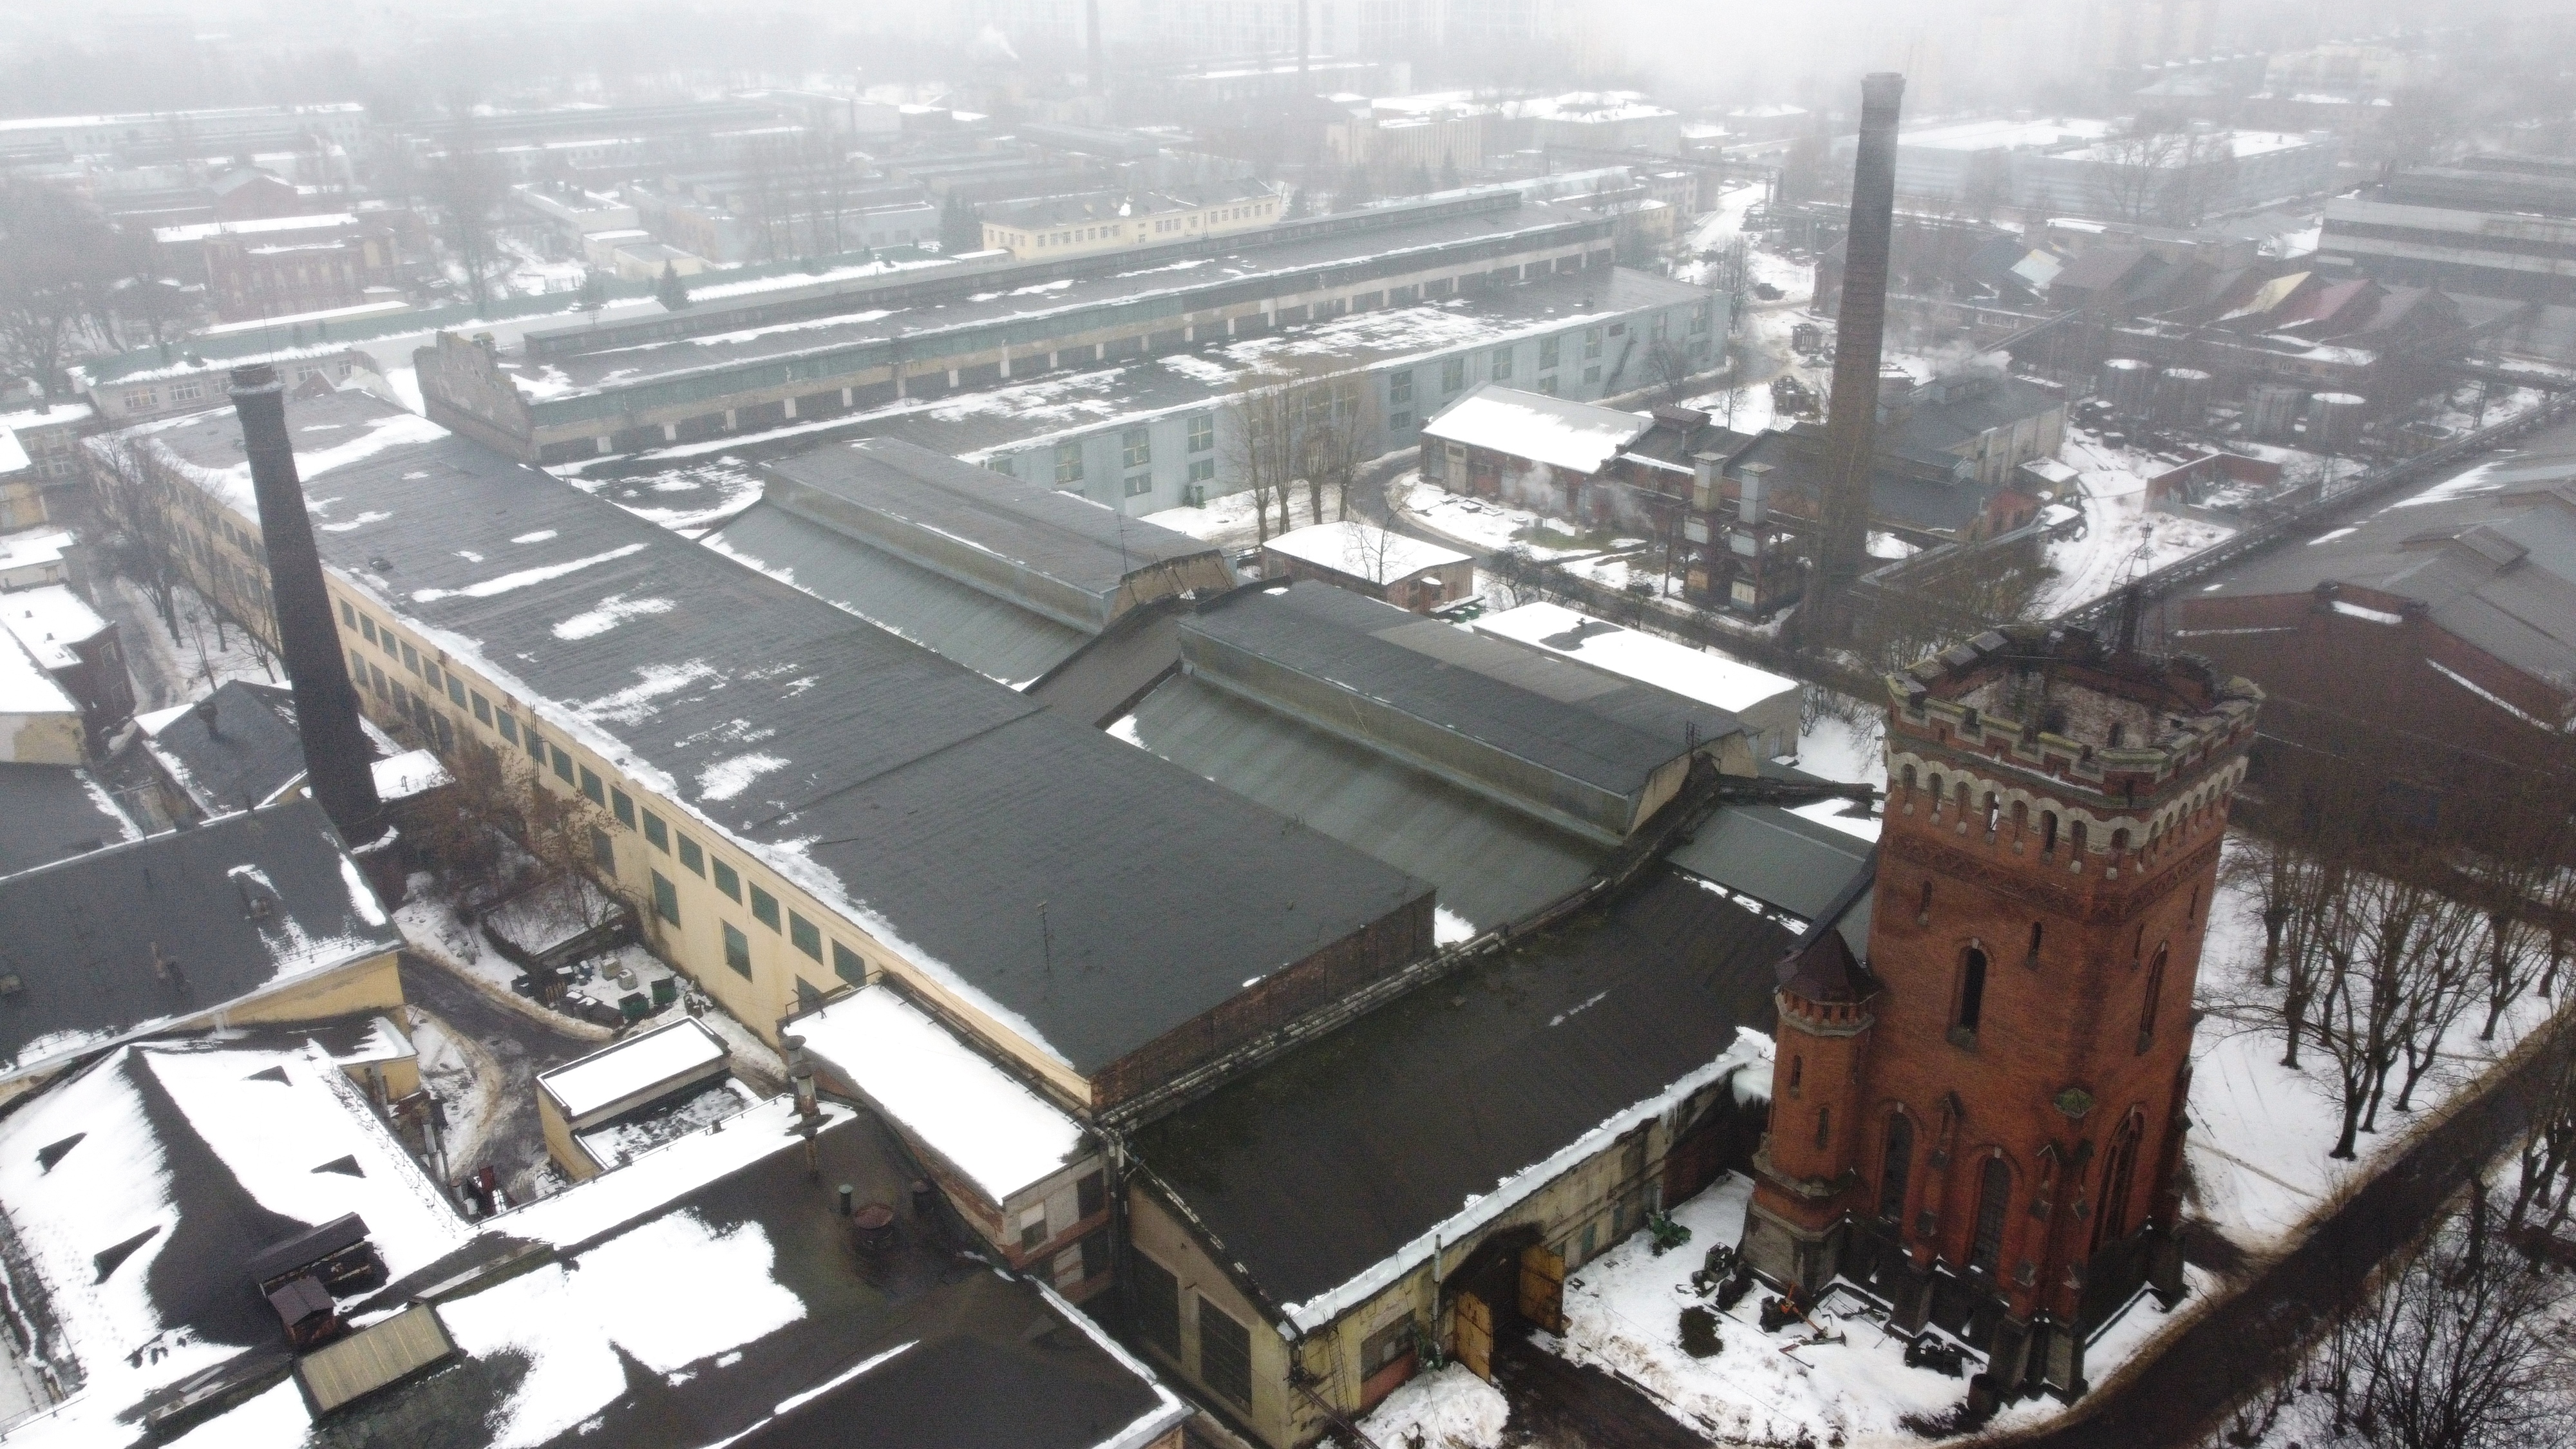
238	902
53	811
864	766
1336	1156
1578	722
1044	530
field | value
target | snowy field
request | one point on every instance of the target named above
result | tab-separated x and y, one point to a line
2123	538
1448	1408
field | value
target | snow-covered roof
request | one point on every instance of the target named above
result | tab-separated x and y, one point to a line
1556	431
635	1070
13	454
51	415
36	551
131	937
1364	550
49	621
1700	674
25	687
942	1092
410	773
199	231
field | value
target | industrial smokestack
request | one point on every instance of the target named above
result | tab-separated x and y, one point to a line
337	762
1851	428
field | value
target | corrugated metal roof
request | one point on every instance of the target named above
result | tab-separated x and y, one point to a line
1777	858
1490	864
1579	723
375	1357
993	637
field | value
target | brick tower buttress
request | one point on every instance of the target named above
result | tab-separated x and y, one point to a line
1806	1166
2044	877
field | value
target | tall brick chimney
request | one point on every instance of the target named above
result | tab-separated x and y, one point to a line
1851	425
337	762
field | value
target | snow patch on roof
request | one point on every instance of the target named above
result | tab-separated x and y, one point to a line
725	779
1363	550
524	577
637	1064
1555	431
943	1092
1700	674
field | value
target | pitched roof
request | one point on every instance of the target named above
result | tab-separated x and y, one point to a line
1324	1164
235	749
108	943
54	811
1556	431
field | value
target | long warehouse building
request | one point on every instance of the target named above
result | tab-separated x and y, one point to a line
586	389
795	794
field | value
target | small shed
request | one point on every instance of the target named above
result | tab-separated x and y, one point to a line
1500	442
665	1066
1370	560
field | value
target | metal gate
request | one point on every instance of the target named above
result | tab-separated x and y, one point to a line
1475	1335
1543	1288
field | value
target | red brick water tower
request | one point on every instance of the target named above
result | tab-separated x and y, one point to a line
1980	1121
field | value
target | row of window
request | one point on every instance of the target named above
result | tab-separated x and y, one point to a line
806	936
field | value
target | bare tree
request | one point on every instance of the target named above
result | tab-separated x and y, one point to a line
2452	1352
2128	172
468	189
1264	447
56	270
2545	1187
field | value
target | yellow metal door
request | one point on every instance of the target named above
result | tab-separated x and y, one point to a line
1543	1288
1475	1334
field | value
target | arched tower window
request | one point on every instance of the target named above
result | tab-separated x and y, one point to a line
1909	779
2112	1222
1994	1196
2155	991
1824	1127
1895	1167
2048	832
1972	990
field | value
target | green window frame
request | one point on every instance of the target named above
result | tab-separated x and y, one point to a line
764	908
367	627
603	851
849	965
666	898
482	711
591	788
376	677
692	859
348	615
563	765
358	667
805	935
737	949
509	727
455	690
411	658
727	881
429	674
656	834
622	807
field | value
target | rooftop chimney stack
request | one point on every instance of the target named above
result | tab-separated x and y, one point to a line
1851	425
337	761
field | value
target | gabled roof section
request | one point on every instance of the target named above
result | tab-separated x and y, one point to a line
1556	431
235	749
108	943
1330	1166
53	812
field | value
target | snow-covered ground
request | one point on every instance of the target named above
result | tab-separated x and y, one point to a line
174	669
1449	1408
2258	1169
1491	527
1227	519
2122	539
2260	1131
